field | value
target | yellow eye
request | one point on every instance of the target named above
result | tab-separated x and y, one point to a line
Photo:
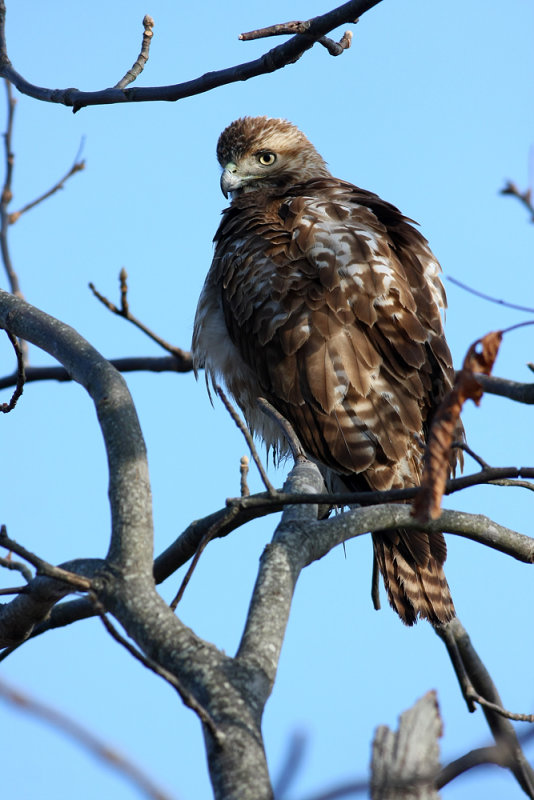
266	159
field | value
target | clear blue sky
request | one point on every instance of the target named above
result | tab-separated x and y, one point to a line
431	109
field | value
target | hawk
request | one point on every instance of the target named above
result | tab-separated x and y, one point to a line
326	301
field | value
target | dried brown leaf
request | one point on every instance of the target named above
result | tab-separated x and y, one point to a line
482	353
437	459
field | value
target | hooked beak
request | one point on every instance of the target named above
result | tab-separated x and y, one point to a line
230	180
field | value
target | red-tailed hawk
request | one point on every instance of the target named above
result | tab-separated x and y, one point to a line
325	300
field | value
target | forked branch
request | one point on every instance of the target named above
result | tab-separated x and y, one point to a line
275	59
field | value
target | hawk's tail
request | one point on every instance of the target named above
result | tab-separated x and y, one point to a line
411	564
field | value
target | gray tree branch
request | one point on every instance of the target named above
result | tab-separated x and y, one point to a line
231	691
19	617
471	671
125	586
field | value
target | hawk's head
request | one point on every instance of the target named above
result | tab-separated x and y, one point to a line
262	153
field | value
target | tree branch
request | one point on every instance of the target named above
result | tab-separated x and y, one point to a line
475	758
42	566
19	617
273	60
520	392
5	408
139	64
129	490
149	663
249	440
7	194
82	736
77	166
471	667
124	311
525	197
133	364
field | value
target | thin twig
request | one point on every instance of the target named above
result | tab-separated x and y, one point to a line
465	447
511	482
489	297
124	311
249	440
477	698
7	195
5	408
281	29
210	534
301	28
149	663
77	166
297	451
14	590
524	197
78	733
139	64
43	567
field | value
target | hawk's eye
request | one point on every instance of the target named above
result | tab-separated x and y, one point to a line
266	159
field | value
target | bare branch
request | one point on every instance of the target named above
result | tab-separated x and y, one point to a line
475	758
82	736
19	617
249	440
175	363
471	672
275	59
149	663
280	29
77	166
7	194
129	488
486	476
516	717
124	311
210	534
43	567
489	297
524	197
13	589
139	64
302	28
520	392
297	451
280	566
5	408
466	449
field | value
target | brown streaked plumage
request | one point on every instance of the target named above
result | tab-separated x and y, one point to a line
326	301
